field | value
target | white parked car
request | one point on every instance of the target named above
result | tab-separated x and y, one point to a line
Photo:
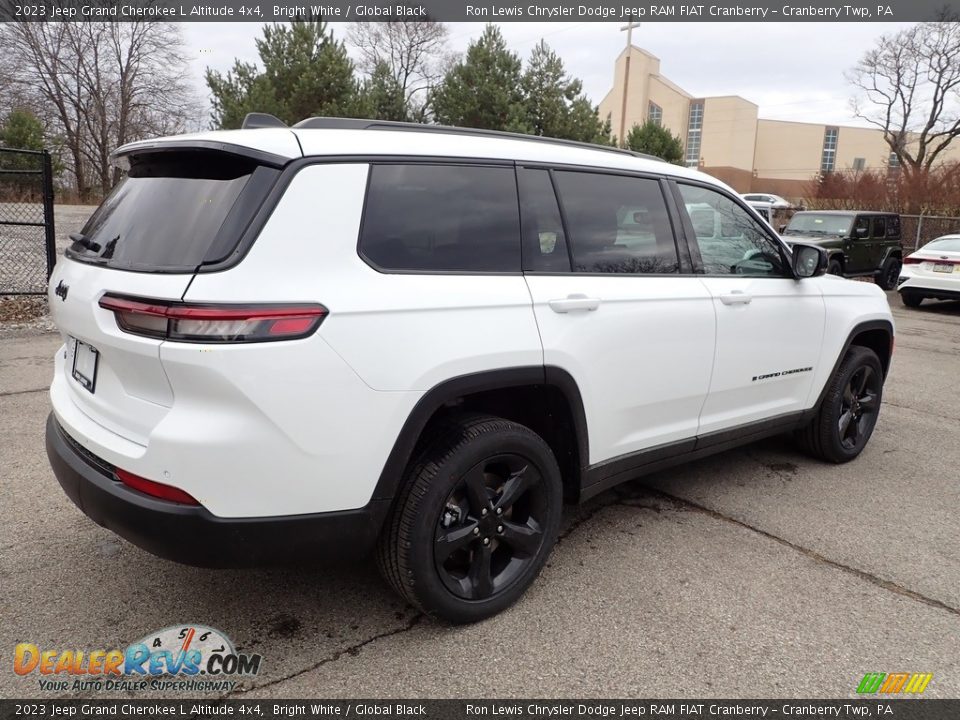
775	200
933	271
764	210
353	334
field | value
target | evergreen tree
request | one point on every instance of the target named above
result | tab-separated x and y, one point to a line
652	139
305	72
483	90
554	103
22	130
384	98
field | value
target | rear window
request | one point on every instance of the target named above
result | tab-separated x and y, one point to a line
174	212
442	218
944	244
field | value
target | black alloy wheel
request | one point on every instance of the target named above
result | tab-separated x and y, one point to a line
859	407
849	410
491	527
476	519
890	274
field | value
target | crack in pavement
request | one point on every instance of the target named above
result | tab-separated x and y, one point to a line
925	412
23	392
888	585
351	650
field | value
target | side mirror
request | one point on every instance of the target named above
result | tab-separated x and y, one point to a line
861	232
783	226
808	260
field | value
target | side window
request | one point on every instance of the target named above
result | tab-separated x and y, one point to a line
731	240
442	217
544	243
861	228
893	226
617	224
880	227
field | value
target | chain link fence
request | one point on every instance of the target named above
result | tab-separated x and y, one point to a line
27	250
918	230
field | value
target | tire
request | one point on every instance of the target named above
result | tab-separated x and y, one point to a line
889	274
834	267
492	489
841	428
911	299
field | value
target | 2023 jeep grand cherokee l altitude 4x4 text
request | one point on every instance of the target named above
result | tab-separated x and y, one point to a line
352	334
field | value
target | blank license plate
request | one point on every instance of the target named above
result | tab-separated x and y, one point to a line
943	267
85	358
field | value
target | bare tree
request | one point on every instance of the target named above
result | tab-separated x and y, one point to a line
415	52
98	86
909	87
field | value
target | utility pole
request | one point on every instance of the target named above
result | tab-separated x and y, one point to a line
626	81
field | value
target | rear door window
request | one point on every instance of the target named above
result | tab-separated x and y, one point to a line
174	211
617	224
451	218
880	227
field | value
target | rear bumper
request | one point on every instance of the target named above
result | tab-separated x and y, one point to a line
929	285
194	536
930	292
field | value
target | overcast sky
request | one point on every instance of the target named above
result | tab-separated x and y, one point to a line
793	71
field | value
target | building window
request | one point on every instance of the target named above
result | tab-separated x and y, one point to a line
828	160
893	161
859	163
694	132
654	113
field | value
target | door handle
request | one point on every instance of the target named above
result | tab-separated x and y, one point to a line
736	297
573	303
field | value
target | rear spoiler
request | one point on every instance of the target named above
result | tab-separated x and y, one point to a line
121	157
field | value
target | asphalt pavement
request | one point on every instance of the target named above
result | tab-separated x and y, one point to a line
755	573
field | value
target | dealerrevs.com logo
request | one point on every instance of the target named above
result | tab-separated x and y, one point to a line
893	683
190	658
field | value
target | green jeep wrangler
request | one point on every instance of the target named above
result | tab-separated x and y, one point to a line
858	242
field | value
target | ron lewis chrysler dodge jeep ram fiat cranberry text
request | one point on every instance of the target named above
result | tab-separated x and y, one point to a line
352	334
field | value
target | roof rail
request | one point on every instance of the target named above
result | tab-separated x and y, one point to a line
261	120
330	123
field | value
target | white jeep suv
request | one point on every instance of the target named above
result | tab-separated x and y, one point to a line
353	334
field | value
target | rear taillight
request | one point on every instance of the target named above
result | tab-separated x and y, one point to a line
189	322
912	261
155	489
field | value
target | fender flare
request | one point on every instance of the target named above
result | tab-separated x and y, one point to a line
892	252
885	325
400	455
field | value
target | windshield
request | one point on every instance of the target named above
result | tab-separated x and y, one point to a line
820	224
167	213
947	244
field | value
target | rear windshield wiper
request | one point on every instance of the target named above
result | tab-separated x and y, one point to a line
85	242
